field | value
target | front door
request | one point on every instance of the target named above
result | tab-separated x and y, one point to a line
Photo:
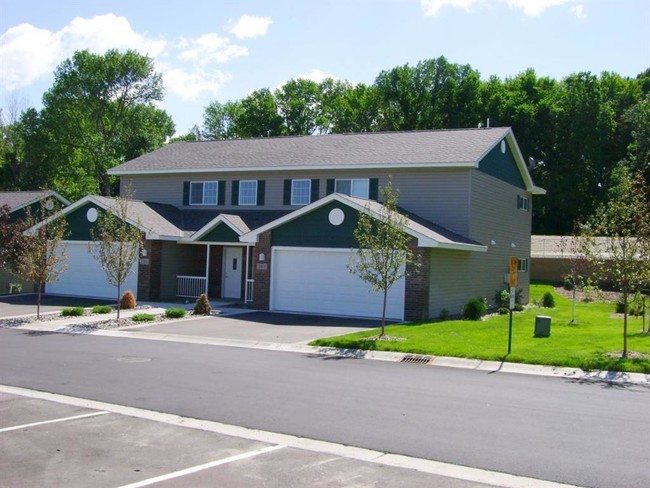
232	272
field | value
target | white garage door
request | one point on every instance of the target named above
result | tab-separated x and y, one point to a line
85	276
318	281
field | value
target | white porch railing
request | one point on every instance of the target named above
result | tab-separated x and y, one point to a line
190	286
249	290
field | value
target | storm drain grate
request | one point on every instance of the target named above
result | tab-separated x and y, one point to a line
416	359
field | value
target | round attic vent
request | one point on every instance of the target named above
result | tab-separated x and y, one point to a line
91	214
336	216
49	204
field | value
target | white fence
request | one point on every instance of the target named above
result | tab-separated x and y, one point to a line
190	286
249	290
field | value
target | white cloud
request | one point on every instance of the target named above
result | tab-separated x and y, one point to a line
28	53
530	8
249	27
210	47
535	7
579	11
431	7
316	75
191	85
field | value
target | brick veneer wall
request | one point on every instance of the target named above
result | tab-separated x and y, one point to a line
262	272
149	270
416	300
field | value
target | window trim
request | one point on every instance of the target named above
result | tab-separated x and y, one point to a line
216	196
241	182
351	180
293	202
522	265
523	203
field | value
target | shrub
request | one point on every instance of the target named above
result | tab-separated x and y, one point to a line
444	315
502	298
175	313
503	311
143	317
202	306
127	301
475	308
519	307
102	309
72	312
548	300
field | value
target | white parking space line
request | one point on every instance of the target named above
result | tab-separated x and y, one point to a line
465	473
201	467
53	421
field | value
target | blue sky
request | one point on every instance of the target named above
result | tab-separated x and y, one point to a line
223	49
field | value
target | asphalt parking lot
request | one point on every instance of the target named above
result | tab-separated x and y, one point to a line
46	443
271	327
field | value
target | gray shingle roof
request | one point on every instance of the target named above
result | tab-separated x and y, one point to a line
434	148
17	199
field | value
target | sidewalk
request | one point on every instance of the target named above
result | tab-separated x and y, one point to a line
74	325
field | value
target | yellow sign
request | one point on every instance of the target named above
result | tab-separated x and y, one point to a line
514	264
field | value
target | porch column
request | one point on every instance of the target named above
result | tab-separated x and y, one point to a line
207	269
246	275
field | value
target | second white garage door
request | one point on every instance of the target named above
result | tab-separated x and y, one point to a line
318	281
85	276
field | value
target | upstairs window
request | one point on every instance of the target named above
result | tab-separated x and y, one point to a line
522	203
300	192
204	192
522	265
353	187
248	192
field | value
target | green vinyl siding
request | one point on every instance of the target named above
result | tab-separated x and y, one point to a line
221	233
315	230
502	166
79	228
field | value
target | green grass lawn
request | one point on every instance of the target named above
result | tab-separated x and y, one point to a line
585	344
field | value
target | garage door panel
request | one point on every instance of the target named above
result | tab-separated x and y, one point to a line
85	277
318	281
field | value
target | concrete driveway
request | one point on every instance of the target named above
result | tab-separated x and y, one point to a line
264	327
13	305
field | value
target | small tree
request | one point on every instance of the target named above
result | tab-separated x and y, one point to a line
622	253
383	253
117	245
575	263
43	258
11	240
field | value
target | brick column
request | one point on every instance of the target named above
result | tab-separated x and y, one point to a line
416	301
262	272
149	270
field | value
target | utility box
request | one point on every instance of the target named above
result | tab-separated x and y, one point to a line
542	326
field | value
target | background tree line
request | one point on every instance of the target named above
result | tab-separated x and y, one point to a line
578	129
101	111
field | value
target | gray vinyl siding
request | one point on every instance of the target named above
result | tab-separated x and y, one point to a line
456	276
495	217
441	196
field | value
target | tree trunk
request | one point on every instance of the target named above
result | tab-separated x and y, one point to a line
573	305
625	305
119	288
383	314
38	302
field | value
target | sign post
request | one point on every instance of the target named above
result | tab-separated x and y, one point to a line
514	265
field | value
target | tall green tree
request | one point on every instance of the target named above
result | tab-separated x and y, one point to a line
220	120
299	105
259	116
99	112
383	254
